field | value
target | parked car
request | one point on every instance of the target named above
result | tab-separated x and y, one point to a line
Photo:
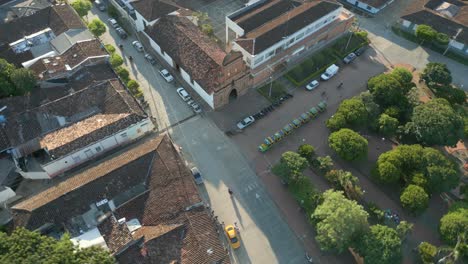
121	32
312	85
113	22
137	45
348	59
245	122
166	75
196	108
150	59
361	50
100	5
183	94
231	233
196	175
330	72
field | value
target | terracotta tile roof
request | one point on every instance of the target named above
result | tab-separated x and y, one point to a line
58	18
192	50
73	196
267	33
55	124
425	12
154	9
116	235
77	54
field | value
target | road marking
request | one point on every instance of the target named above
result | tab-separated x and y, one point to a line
257	195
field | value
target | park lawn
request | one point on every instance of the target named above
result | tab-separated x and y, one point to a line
277	91
313	66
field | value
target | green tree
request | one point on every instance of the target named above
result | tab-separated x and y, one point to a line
403	229
110	48
6	69
388	125
354	112
295	164
339	221
24	80
97	27
6	88
133	86
24	246
115	60
381	245
425	33
373	109
346	181
435	123
387	90
442	39
336	122
427	252
123	73
454	223
414	198
325	164
207	29
402	75
436	72
82	7
452	95
348	144
387	172
306	151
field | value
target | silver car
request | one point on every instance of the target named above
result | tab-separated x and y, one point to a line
137	45
245	122
150	59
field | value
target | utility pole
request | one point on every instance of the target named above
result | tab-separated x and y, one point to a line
454	37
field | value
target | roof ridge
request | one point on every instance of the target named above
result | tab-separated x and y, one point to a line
131	154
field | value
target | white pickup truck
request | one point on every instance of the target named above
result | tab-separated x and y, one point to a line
329	72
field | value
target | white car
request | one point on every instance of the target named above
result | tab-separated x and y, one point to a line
113	22
150	59
166	75
183	94
246	122
196	108
312	85
137	45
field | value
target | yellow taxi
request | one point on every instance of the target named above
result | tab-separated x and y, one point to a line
232	236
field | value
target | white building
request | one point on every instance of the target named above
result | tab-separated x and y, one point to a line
371	6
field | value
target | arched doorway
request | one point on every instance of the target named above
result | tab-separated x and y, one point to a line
233	95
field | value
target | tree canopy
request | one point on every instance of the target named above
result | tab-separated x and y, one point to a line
425	33
339	221
353	111
436	72
294	163
407	162
97	27
404	76
388	125
427	252
15	81
387	90
24	246
381	245
348	144
306	151
435	123
82	7
454	223
414	198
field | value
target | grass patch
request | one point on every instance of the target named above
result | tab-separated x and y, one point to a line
314	65
277	91
411	37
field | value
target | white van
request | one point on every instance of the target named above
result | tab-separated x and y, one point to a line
329	72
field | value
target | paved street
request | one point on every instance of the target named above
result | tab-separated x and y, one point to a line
395	49
265	236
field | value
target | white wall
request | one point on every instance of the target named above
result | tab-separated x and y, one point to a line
456	44
305	32
6	193
207	97
364	6
140	22
65	163
406	23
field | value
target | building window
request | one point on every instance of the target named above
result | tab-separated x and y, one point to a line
324	22
298	37
369	7
76	158
98	149
124	135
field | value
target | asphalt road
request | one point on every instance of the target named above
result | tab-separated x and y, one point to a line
265	236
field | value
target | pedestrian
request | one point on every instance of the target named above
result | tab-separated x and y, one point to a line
230	191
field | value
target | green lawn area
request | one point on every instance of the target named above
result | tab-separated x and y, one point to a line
313	66
411	37
277	91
